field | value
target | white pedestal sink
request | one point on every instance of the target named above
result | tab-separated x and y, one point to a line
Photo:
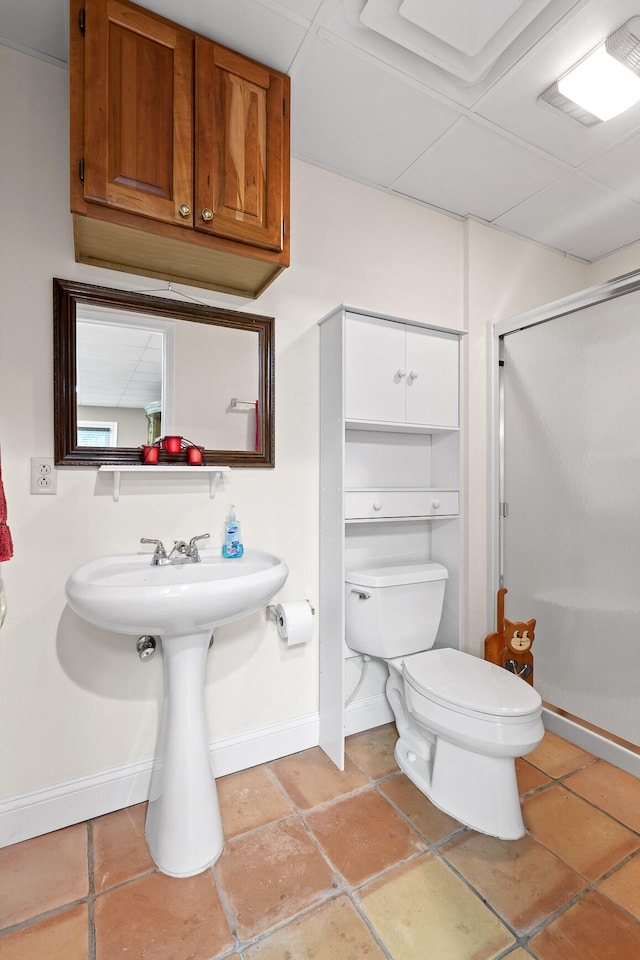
181	604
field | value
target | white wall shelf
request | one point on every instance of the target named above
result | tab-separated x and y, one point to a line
118	469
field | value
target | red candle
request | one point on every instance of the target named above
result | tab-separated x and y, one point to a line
150	454
194	455
172	444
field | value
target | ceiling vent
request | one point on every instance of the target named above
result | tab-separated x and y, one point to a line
464	37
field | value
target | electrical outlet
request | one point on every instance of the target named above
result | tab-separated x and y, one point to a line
43	475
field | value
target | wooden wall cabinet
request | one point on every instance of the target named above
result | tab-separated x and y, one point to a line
179	152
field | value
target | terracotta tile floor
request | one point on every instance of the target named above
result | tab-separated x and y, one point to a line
323	865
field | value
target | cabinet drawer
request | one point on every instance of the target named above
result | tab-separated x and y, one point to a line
380	504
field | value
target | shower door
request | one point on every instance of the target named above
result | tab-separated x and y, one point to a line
571	487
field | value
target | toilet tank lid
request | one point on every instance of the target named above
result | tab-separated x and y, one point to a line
393	573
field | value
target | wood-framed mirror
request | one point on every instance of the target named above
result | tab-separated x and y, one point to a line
130	368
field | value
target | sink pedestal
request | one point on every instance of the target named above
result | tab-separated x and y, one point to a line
183	827
180	603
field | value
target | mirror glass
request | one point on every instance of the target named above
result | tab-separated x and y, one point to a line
130	368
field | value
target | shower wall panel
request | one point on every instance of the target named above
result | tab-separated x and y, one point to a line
571	540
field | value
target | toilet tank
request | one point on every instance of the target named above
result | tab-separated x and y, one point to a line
393	608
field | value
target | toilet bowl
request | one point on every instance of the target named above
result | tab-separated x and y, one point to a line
461	721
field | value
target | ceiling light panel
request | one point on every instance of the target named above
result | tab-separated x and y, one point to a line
601	84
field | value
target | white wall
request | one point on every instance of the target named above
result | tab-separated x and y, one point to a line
76	701
617	264
211	365
505	276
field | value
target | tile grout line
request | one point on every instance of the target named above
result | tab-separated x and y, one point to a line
596	807
225	906
91	932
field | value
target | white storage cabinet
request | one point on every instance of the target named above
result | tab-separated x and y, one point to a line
390	479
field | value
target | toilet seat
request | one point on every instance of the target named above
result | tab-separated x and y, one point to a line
465	684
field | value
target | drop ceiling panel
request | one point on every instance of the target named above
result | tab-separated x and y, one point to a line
619	168
359	120
475	171
119	365
303	8
601	243
266	33
36	25
569	210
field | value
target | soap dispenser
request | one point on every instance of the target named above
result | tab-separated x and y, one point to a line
232	547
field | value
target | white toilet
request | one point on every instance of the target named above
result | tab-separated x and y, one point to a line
462	721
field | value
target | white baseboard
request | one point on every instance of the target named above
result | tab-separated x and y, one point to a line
366	713
41	811
591	741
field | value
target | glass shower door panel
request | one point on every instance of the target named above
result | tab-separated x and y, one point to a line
571	541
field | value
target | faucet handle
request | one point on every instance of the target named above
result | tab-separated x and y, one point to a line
192	542
192	550
159	550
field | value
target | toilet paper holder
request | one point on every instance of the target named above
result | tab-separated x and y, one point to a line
272	615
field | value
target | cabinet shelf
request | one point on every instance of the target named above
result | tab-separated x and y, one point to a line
214	474
419	518
387	426
396	489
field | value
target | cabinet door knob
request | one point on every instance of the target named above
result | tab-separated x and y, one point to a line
401	373
184	209
435	504
207	214
413	374
377	505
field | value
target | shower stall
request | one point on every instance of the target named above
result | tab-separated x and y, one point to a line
568	390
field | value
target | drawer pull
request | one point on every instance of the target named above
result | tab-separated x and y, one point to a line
207	214
377	505
435	504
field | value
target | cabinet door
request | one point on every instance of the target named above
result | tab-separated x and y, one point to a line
241	147
432	378
375	369
138	112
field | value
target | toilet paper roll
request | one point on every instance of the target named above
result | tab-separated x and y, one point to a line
295	622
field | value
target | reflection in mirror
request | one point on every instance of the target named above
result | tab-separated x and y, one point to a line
129	369
120	382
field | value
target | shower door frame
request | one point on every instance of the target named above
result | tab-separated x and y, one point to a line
581	733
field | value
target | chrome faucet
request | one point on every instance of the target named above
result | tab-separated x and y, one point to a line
181	552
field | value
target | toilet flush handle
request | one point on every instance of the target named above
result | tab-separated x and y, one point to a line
362	594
